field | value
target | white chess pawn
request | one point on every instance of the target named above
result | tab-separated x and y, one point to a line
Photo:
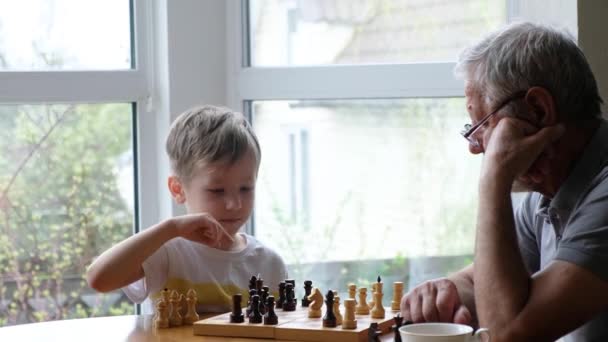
349	321
352	292
162	314
362	308
337	310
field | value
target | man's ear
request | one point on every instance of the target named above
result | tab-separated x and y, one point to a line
543	106
176	189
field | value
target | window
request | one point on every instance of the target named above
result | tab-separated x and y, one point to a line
71	109
358	114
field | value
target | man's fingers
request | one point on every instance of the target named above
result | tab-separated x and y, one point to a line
463	315
447	302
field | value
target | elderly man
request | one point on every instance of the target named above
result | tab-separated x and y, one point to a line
542	273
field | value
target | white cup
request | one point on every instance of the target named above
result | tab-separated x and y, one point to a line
442	332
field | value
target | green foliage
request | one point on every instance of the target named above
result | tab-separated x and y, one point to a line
60	204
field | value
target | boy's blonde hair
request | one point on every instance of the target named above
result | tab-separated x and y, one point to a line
208	134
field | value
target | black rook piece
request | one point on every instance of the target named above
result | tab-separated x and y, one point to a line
281	295
289	304
271	318
255	316
307	290
237	312
329	320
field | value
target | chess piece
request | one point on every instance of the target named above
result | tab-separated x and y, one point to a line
293	283
237	311
175	317
252	293
162	314
349	321
290	302
191	315
371	302
270	318
259	284
255	316
165	294
337	312
398	323
316	302
329	320
307	289
263	298
253	282
373	333
378	308
352	292
281	295
362	308
397	294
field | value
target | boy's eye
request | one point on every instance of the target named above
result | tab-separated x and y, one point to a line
216	191
246	188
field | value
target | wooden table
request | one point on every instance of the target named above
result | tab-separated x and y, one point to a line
108	329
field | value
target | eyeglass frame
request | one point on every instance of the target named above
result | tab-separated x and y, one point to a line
470	129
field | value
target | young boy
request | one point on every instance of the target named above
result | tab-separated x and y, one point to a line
215	158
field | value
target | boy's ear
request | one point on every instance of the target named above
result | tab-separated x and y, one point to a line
543	106
176	189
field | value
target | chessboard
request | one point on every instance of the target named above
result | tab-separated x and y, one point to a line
293	326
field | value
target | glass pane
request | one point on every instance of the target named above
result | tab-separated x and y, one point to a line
313	32
349	190
65	35
66	195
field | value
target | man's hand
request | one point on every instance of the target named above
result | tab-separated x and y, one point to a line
514	145
435	301
202	228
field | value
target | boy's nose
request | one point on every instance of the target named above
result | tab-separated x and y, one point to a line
233	202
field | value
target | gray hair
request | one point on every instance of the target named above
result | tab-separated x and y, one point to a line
208	134
524	55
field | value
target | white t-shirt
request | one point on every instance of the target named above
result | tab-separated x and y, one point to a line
215	275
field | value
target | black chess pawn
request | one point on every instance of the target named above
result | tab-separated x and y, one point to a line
289	304
307	290
270	318
252	282
237	312
373	333
259	284
263	298
252	293
398	323
255	316
329	320
281	295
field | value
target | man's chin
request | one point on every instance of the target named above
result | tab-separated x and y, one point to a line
521	185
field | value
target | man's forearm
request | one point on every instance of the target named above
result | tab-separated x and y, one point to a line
501	281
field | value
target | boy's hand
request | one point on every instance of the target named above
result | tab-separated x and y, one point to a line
202	228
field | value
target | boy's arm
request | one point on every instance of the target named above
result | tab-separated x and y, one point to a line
121	265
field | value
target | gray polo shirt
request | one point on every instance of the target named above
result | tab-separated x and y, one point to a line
573	225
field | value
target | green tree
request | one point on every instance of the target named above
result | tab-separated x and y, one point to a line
60	205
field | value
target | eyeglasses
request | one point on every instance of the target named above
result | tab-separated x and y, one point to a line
469	130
